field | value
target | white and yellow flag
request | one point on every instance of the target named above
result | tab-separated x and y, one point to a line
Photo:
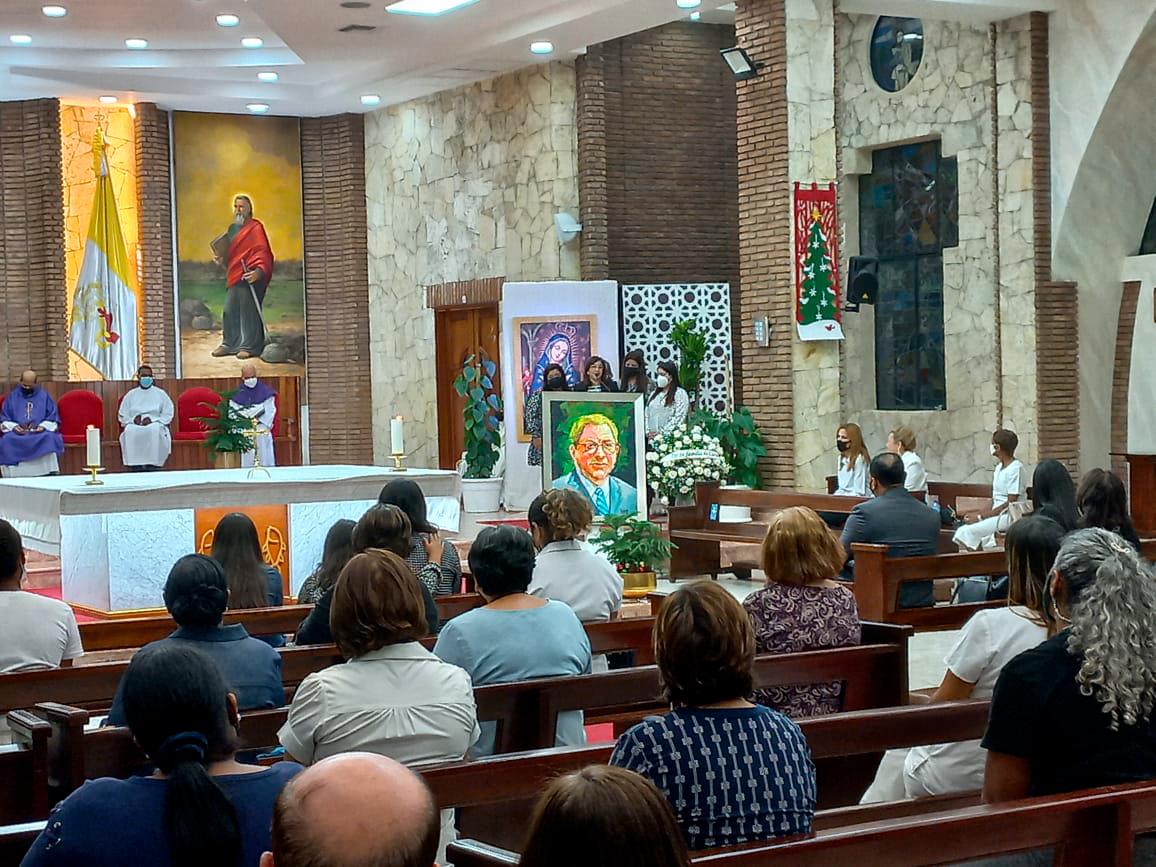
104	307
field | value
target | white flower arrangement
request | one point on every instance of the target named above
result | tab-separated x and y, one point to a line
676	462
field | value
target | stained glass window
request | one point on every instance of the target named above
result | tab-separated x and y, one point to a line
896	51
1148	242
908	214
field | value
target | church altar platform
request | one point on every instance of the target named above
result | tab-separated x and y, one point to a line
117	541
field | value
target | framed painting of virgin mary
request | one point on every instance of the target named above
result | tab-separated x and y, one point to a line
565	341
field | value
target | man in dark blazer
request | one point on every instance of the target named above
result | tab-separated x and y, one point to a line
896	519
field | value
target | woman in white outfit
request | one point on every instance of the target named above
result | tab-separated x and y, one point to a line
901	441
666	412
979	527
854	459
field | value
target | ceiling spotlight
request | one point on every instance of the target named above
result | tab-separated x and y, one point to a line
267	76
742	67
370	99
258	107
687	4
136	44
542	47
252	42
20	39
228	19
54	11
426	7
108	100
695	16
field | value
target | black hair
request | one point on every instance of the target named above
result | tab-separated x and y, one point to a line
197	591
1103	502
607	373
1054	494
337	552
502	561
1006	440
1032	544
11	551
237	548
640	379
671	370
175	704
407	496
888	470
546	377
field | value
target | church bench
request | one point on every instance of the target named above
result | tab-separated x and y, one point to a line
947	493
24	769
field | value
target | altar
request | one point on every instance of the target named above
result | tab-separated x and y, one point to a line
117	541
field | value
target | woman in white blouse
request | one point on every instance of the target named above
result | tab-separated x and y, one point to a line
854	459
901	441
669	404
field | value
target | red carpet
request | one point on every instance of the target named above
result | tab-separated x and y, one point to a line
517	522
54	593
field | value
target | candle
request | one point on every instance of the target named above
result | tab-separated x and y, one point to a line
397	435
92	446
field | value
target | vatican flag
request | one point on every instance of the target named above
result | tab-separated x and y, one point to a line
104	307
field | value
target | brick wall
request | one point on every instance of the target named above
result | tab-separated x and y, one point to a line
32	271
155	207
764	198
1121	377
336	289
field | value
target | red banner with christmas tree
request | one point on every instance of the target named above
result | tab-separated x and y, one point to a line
818	313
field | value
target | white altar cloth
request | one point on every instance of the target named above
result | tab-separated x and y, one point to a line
117	541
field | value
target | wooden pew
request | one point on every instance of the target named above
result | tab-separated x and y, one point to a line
24	769
948	493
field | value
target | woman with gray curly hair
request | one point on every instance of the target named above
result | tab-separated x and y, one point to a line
1076	712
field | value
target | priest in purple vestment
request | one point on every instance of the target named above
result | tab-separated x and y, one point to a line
30	441
256	400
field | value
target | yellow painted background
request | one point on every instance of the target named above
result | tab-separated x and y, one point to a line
77	124
219	156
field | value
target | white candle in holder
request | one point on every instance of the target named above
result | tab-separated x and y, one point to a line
397	435
92	446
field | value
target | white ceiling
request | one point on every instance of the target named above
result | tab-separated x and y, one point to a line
192	64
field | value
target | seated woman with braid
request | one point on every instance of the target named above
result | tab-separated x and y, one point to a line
200	807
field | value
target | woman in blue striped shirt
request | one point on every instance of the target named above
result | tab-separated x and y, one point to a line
733	771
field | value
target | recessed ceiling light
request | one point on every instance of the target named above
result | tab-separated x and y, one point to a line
542	47
228	19
687	4
108	100
695	16
252	42
267	76
54	11
136	44
426	7
20	39
258	107
370	99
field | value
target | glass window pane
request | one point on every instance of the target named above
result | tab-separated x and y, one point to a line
949	198
896	336
932	382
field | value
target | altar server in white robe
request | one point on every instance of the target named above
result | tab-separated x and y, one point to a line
146	413
255	399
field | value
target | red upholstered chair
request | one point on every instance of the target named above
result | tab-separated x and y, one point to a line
192	403
78	409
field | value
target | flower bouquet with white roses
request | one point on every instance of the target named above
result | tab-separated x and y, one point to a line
679	460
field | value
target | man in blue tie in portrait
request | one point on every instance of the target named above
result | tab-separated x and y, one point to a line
594	449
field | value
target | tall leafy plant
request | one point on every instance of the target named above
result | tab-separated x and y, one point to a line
632	544
692	349
225	431
741	440
482	415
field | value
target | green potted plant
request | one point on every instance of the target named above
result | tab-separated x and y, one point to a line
226	431
482	414
637	549
742	444
692	349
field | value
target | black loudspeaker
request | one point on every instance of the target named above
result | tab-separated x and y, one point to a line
862	281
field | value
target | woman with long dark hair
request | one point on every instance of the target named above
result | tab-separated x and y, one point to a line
669	404
1102	502
200	807
426	545
634	378
555	380
334	555
1054	494
252	582
597	376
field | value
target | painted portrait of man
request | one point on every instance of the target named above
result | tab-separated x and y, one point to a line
594	448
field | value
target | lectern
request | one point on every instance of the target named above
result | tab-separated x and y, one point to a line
1142	472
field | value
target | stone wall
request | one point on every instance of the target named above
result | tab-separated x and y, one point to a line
460	185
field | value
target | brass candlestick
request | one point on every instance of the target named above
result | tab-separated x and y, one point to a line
399	462
94	480
255	431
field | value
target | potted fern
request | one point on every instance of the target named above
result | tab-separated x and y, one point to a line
482	414
742	443
226	431
637	549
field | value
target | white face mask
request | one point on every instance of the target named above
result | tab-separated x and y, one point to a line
663	380
250	382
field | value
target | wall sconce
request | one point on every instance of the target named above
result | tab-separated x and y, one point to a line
740	63
762	329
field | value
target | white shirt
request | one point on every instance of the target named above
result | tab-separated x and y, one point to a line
852	482
987	642
591	487
571	571
1006	482
916	475
662	419
36	632
153	402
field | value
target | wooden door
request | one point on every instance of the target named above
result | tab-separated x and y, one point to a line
459	332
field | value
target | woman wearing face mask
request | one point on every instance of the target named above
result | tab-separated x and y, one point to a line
668	406
634	378
599	376
854	460
554	379
979	527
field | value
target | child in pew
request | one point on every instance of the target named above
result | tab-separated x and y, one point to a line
988	641
200	807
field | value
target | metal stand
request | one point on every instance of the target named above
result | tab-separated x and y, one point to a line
399	462
94	480
254	432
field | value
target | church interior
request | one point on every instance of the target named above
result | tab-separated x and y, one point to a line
498	414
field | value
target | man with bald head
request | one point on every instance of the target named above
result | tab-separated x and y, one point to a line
30	442
355	810
256	400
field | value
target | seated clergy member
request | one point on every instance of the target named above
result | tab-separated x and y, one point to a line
35	631
199	807
146	413
901	441
594	449
979	527
30	444
331	815
256	400
895	519
196	595
705	649
514	636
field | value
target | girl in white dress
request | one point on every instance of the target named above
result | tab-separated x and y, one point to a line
854	460
901	441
